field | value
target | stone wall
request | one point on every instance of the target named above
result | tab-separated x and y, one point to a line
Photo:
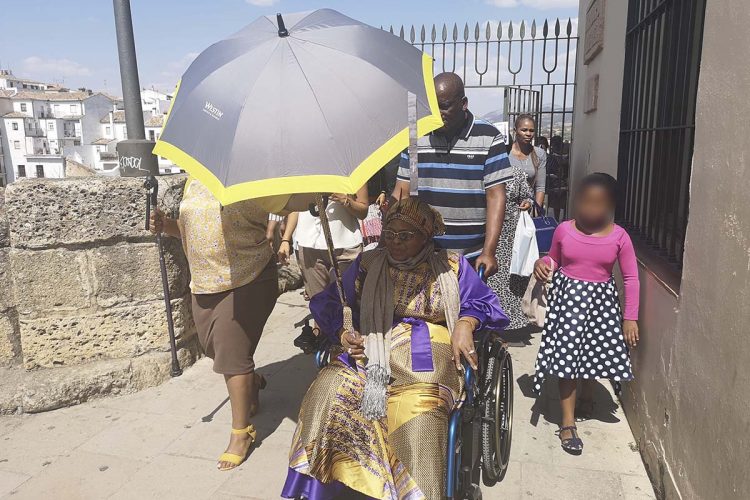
81	303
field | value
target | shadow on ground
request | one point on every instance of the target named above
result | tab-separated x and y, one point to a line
548	404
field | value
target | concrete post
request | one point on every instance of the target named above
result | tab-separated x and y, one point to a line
134	154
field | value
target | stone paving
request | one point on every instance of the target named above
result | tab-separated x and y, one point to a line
163	442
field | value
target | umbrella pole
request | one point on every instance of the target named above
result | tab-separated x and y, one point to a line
320	202
152	188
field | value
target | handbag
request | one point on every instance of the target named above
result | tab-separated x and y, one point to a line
371	227
525	251
534	302
545	227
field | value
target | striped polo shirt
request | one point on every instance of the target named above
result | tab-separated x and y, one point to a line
453	177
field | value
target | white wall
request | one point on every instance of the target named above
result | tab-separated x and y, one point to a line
597	134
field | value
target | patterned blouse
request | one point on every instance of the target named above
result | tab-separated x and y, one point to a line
226	247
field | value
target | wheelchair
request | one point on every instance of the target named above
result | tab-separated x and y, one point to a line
480	427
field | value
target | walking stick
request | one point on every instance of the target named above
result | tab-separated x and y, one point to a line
152	190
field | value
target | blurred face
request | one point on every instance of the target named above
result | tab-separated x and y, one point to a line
453	105
594	206
402	240
525	132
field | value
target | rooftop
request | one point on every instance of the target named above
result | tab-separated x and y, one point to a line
155	121
16	114
119	117
41	95
102	141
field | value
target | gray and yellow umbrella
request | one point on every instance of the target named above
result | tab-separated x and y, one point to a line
311	102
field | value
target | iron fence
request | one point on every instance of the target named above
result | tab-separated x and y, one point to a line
662	57
500	55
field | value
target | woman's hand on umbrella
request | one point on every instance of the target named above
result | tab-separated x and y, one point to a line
462	341
353	343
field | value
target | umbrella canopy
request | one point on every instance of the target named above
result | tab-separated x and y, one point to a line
311	102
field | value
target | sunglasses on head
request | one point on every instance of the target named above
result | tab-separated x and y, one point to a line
401	235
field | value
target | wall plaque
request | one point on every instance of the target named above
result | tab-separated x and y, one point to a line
591	96
594	35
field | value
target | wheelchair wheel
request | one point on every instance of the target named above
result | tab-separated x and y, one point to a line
497	422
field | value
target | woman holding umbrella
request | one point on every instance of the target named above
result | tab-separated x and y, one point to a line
324	101
234	288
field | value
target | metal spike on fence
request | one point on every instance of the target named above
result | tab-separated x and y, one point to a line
569	29
557	28
455	32
433	33
445	32
533	29
412	34
522	31
391	30
476	32
488	32
545	29
510	30
422	34
466	32
401	33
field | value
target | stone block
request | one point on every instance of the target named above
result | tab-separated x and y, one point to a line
125	274
50	280
6	283
10	339
4	232
121	332
49	389
45	213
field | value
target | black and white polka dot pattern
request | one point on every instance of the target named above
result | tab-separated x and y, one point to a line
583	333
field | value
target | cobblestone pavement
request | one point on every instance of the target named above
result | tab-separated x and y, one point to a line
163	442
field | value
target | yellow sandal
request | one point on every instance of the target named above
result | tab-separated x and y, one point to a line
234	459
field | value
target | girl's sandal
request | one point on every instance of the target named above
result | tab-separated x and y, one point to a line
233	458
572	445
584	410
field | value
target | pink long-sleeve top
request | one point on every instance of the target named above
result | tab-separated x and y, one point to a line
591	258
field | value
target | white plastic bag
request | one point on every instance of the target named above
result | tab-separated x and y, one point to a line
525	251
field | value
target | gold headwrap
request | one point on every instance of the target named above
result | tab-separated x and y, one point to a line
419	214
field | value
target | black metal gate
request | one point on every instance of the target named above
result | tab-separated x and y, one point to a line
662	57
499	55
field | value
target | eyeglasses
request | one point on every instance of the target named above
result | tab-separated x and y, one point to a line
401	235
445	106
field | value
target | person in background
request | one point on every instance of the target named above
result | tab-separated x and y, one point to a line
344	214
383	183
463	168
585	335
542	143
526	186
557	176
234	287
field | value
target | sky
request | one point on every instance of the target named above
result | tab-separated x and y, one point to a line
73	42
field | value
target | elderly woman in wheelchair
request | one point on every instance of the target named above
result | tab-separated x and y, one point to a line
375	422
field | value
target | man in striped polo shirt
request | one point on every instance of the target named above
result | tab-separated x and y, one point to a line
462	168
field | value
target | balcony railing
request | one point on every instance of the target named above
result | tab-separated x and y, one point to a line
34	132
107	155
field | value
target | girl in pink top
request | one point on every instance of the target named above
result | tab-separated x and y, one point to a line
585	335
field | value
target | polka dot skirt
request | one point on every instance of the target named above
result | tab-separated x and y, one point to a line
583	333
